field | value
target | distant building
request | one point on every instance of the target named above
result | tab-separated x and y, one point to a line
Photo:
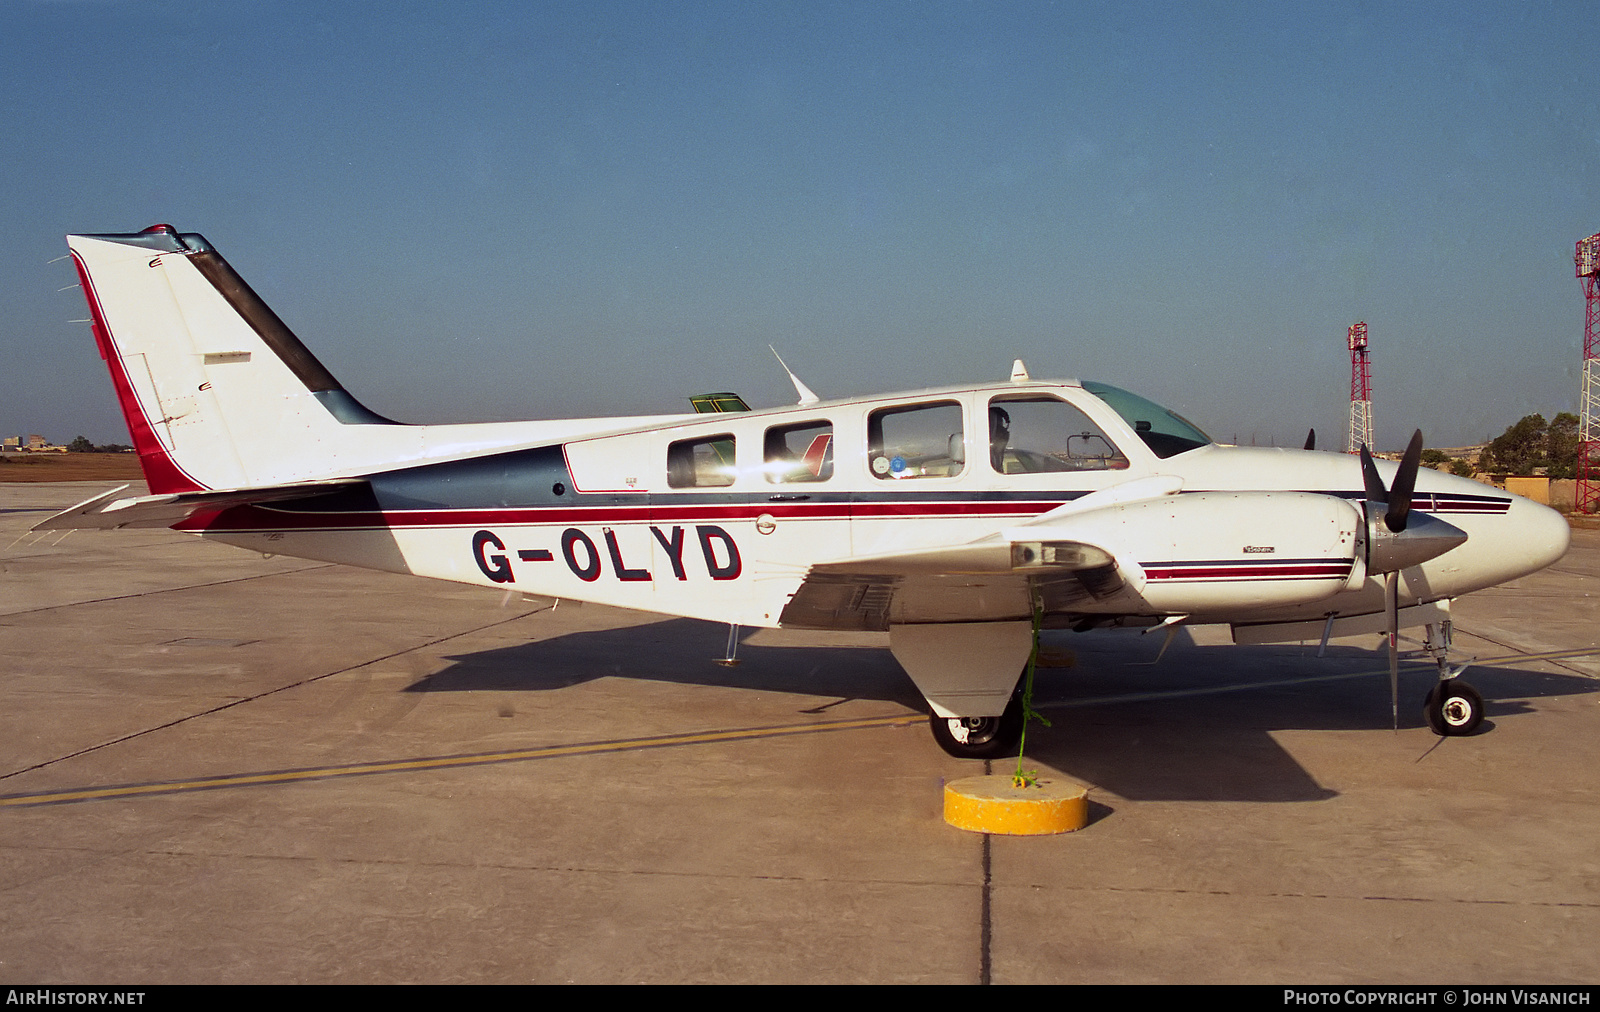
32	443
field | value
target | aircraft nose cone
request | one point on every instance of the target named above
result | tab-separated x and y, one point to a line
1539	534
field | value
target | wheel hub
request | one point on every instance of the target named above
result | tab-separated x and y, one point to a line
973	730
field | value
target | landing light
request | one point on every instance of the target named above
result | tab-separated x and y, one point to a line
1067	554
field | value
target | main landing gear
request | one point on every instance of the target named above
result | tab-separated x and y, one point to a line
969	668
981	737
1453	708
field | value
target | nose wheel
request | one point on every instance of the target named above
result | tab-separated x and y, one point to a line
1453	708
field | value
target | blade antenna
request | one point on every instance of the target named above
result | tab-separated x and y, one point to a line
807	397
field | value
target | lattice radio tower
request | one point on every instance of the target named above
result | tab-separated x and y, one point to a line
1360	390
1587	260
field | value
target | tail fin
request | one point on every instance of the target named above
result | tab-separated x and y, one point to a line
218	393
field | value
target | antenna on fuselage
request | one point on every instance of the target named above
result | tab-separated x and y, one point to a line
807	398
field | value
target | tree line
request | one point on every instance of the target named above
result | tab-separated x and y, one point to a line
1532	444
82	445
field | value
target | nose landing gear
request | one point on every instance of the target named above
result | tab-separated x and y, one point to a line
1453	708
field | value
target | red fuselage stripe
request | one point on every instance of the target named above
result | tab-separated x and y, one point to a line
1330	570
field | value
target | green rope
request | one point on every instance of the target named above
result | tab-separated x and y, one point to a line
1030	778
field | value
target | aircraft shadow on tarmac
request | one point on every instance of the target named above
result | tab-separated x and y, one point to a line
1196	726
676	650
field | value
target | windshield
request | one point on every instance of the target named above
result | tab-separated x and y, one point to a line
1167	433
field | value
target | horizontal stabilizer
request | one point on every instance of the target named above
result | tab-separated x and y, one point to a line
107	512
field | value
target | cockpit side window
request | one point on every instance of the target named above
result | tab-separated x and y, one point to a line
701	463
1034	435
799	453
920	441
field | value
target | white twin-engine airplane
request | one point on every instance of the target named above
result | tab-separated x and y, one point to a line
958	519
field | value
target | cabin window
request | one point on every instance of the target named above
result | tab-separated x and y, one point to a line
799	453
921	441
1037	435
701	463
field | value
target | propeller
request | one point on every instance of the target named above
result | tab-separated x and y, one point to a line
1391	615
1405	483
1396	540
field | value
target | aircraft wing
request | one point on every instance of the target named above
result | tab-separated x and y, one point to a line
108	512
996	579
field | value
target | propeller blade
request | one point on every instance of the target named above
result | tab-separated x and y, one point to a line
1391	608
1369	477
1311	440
1405	482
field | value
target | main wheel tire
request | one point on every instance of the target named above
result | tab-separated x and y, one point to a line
1453	709
980	737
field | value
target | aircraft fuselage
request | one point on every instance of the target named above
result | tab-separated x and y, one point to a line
720	517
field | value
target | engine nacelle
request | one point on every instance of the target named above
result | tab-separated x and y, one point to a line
1205	552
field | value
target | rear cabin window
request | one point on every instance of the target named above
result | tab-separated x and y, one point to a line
921	441
1036	435
799	453
701	463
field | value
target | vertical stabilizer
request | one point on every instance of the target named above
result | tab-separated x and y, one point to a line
216	390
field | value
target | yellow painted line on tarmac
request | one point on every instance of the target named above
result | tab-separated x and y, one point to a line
446	762
1548	655
662	741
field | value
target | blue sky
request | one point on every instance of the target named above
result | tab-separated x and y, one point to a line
492	211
